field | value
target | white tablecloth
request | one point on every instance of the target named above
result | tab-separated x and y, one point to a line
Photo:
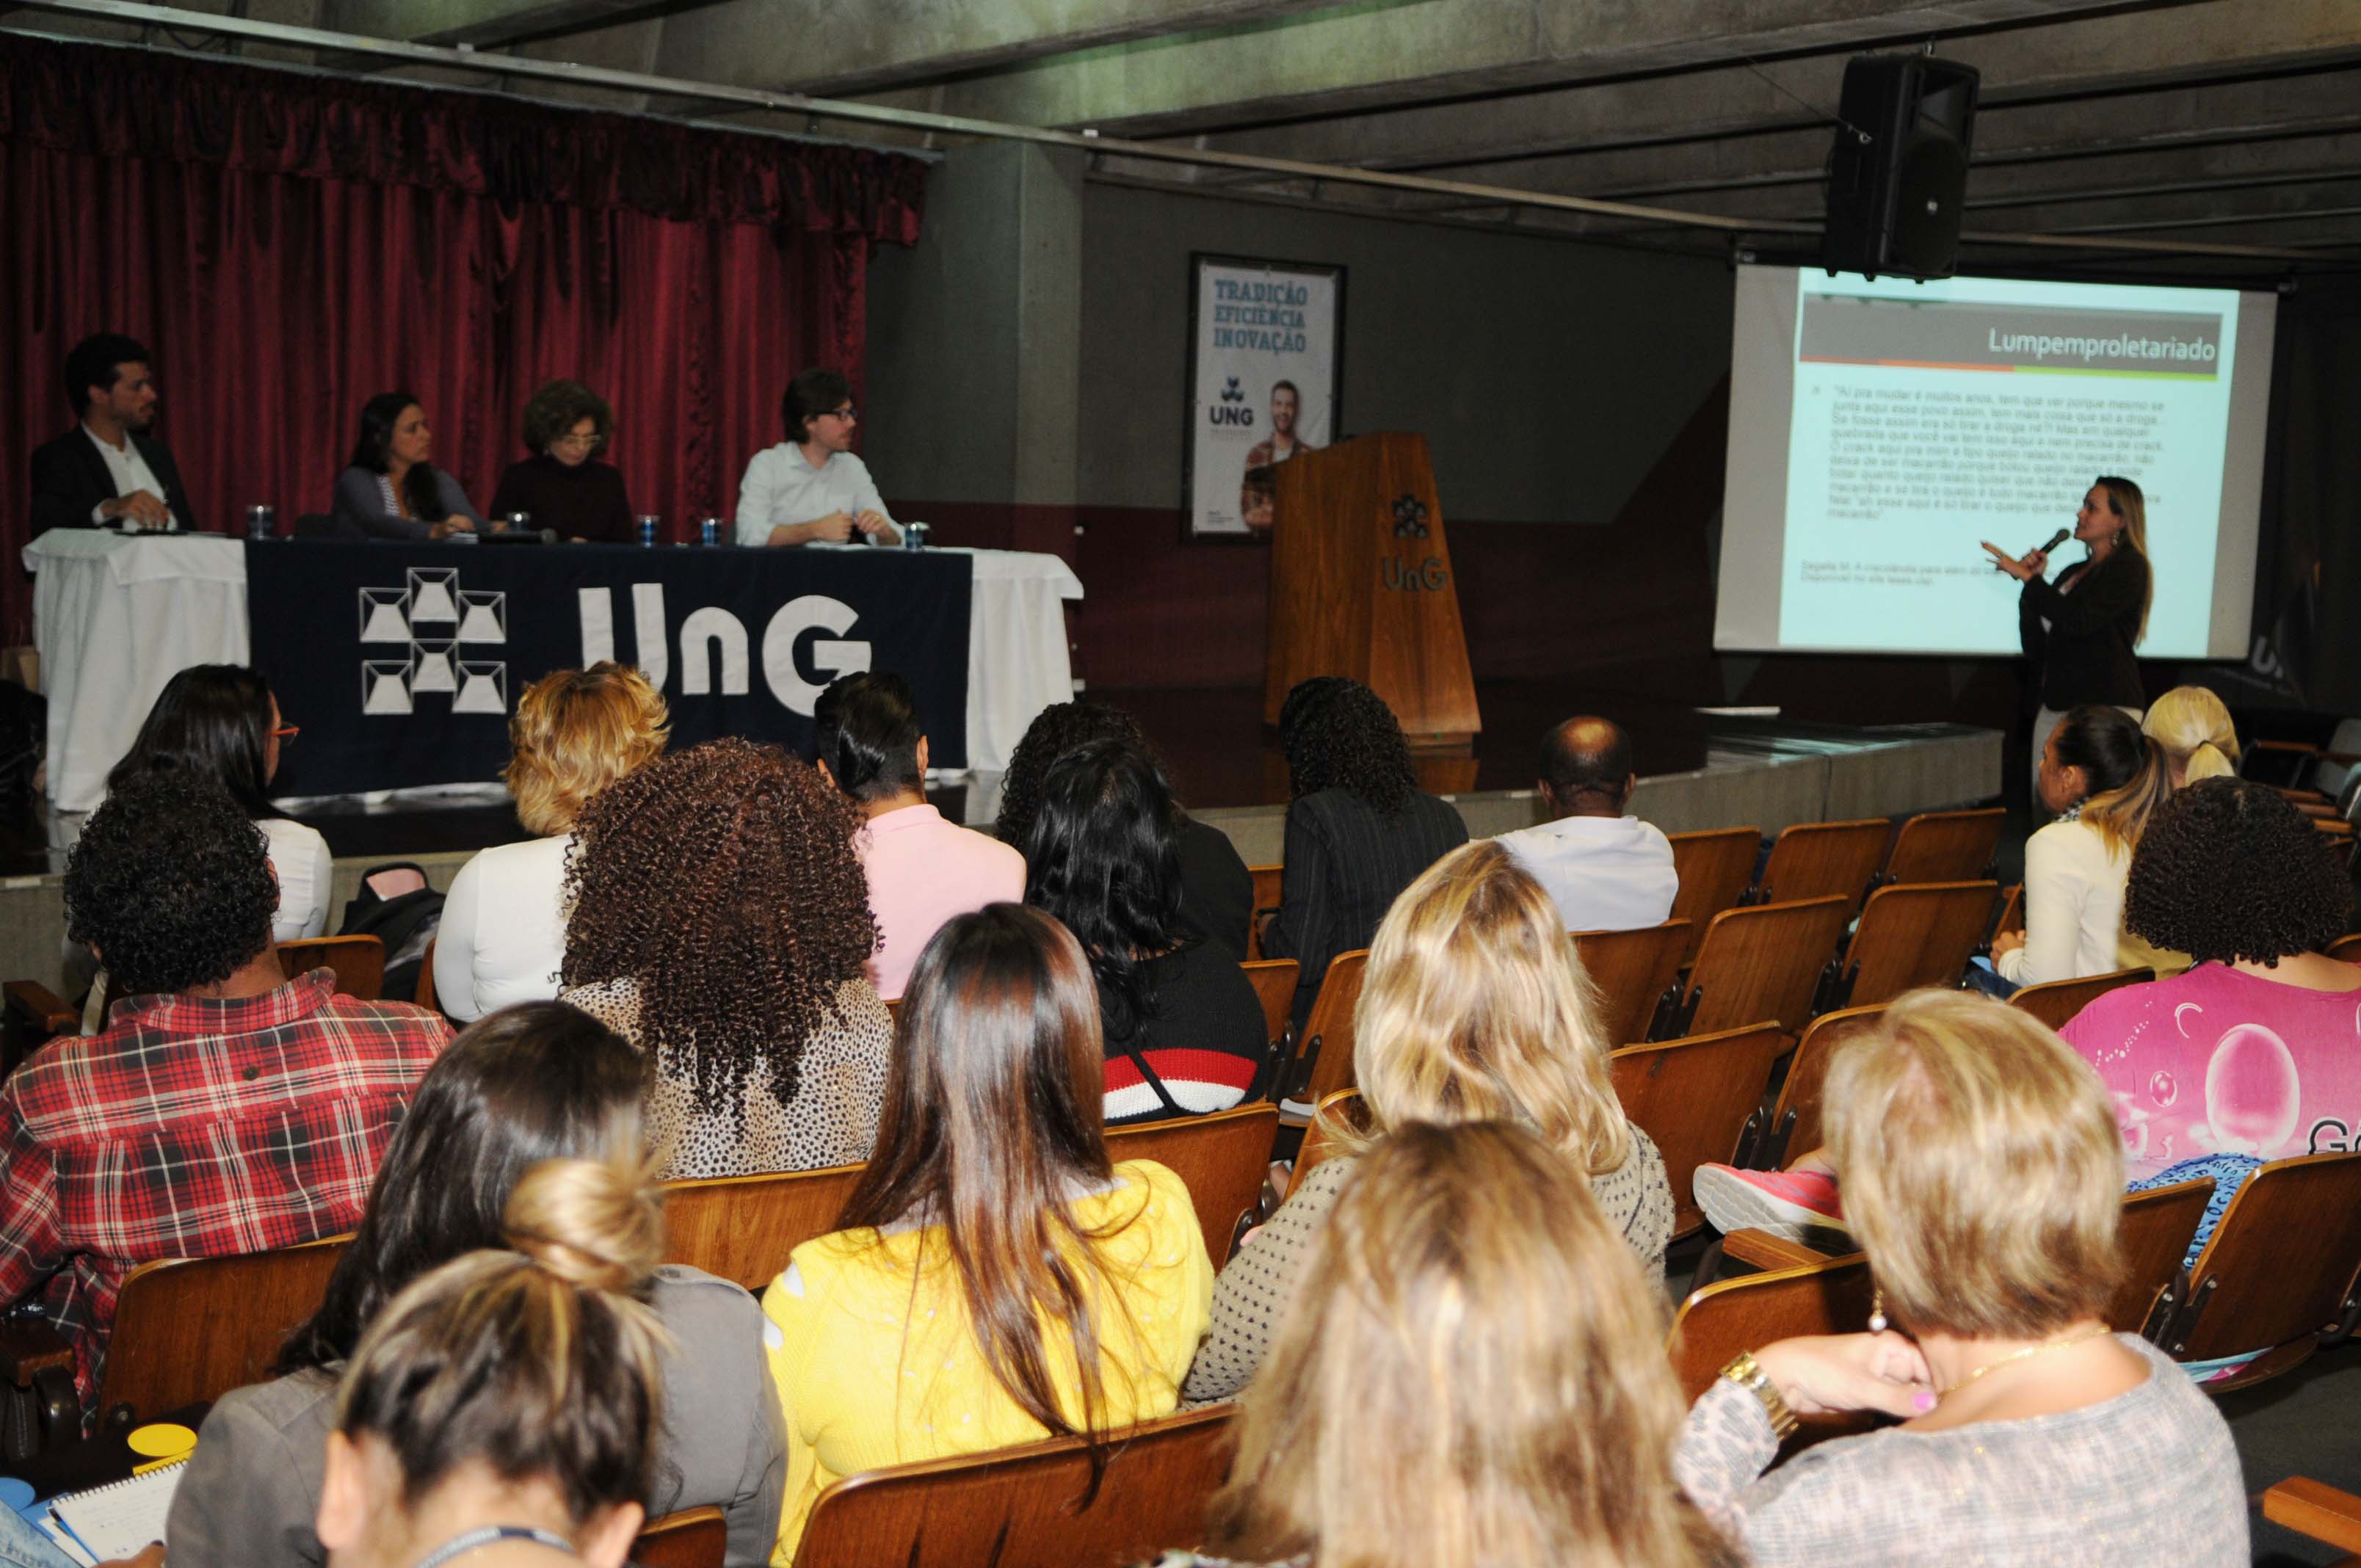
115	616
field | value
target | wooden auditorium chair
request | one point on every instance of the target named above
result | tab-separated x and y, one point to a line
1812	859
1633	970
1695	1097
2055	1002
1715	867
741	1228
2157	1227
1323	1054
693	1538
424	996
1809	1295
31	1016
189	1331
1343	1110
359	963
1030	1506
1793	1128
1946	846
1223	1158
2277	1276
1274	983
1267	879
2316	1510
1909	936
1761	961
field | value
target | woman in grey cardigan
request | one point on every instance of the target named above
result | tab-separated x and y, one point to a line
1983	1177
532	1082
389	491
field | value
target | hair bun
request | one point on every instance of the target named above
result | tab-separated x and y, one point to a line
598	1225
2207	761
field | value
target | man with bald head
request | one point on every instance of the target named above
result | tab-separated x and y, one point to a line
1606	870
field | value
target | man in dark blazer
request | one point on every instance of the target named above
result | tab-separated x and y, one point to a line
107	472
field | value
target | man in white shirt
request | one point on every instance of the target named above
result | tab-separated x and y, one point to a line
811	487
107	472
1606	871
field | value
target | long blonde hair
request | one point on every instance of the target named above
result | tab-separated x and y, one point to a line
1477	1009
2194	728
2126	501
1472	1374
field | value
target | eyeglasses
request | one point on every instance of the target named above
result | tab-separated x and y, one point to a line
590	443
287	732
847	414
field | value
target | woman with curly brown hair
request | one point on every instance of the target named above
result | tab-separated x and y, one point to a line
1358	828
720	921
566	426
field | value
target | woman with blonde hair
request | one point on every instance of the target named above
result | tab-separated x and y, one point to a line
1473	1376
1474	1008
503	931
994	1279
1983	1175
2194	728
505	1407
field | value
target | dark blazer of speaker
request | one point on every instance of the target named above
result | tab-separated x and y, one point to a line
1898	175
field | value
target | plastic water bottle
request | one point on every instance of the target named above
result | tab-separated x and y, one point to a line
709	530
914	536
261	522
648	523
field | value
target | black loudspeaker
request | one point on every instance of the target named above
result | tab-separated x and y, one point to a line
1899	173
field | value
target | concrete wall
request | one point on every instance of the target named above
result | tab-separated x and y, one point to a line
1547	377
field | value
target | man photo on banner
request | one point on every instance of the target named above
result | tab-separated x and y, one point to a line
1257	490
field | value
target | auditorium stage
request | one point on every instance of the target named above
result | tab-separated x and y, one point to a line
1699	768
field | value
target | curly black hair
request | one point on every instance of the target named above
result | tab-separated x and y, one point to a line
2228	869
1060	728
722	882
1338	734
171	883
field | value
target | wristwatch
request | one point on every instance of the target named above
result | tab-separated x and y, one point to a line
1748	1374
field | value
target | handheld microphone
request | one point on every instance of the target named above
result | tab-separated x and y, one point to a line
2054	541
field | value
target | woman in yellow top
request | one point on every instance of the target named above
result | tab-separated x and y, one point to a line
996	1280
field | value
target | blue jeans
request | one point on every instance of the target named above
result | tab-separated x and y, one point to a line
1981	976
24	1546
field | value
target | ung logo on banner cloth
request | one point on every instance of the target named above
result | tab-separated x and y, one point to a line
402	663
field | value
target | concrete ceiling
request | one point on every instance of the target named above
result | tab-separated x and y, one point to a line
2219	122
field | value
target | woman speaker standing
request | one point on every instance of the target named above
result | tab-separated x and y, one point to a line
2079	630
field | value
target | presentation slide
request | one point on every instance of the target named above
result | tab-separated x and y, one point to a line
1878	431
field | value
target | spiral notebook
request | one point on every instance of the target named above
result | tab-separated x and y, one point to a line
114	1520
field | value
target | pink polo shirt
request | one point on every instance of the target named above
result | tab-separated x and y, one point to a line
2216	1061
922	871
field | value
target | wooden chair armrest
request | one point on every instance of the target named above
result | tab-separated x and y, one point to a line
31	999
1763	1250
2319	1511
27	1346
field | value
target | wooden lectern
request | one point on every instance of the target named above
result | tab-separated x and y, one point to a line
1361	586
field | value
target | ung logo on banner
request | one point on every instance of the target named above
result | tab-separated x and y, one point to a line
713	645
438	623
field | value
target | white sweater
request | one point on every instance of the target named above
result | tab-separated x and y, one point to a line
503	933
2073	907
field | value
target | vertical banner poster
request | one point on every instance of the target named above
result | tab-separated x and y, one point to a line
1266	368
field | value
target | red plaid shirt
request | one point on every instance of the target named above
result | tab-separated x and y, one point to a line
194	1129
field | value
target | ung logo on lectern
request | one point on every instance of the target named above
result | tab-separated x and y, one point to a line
441	630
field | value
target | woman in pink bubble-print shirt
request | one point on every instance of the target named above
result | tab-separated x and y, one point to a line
2255	1054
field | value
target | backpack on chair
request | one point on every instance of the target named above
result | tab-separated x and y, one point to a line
396	906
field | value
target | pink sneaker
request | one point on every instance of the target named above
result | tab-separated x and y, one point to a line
1790	1203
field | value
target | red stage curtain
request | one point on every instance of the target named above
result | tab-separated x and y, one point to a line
287	245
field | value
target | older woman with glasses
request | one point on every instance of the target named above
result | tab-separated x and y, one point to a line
1983	1176
566	426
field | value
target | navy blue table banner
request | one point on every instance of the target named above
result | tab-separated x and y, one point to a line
402	663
